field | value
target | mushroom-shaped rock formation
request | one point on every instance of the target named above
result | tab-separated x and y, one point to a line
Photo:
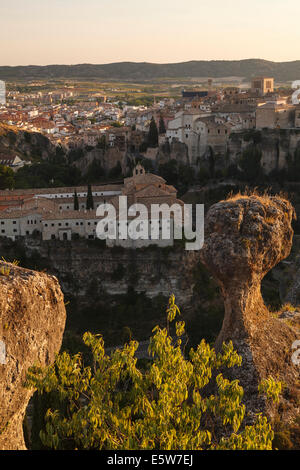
245	237
32	321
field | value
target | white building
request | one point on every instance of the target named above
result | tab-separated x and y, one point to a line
50	212
188	129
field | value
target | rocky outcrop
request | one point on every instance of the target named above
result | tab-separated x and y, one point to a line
25	144
108	159
246	236
83	265
276	145
174	151
32	315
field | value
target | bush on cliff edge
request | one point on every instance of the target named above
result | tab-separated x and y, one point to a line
116	405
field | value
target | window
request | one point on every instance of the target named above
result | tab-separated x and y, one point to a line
14	222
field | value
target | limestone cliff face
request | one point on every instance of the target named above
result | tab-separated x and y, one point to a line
32	321
25	144
276	145
81	264
245	238
174	151
108	159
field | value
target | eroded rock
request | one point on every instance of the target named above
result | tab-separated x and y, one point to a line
245	237
32	321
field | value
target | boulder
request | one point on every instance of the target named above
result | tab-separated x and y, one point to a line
245	237
32	322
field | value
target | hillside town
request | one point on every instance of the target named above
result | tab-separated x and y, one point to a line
200	120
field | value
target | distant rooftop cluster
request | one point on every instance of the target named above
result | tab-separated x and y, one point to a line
202	118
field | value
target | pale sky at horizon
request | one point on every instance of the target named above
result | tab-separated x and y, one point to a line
42	32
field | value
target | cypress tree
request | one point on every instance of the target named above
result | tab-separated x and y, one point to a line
153	134
162	127
76	202
89	199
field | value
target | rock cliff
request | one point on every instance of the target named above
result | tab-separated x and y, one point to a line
276	145
246	236
24	144
32	321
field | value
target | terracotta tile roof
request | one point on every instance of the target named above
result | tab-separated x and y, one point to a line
147	178
152	191
95	188
67	215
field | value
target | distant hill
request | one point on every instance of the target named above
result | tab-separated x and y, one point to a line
282	71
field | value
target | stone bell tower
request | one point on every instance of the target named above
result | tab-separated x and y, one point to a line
138	170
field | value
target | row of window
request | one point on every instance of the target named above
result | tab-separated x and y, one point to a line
65	237
67	224
32	222
79	195
82	206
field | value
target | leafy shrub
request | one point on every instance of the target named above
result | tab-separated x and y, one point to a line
116	405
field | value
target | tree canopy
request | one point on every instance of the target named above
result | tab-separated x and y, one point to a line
89	199
116	404
153	134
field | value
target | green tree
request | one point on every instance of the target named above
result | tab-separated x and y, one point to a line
89	199
118	405
250	162
153	134
102	143
76	202
115	172
95	172
161	127
7	178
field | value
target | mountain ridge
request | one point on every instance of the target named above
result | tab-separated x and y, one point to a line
246	68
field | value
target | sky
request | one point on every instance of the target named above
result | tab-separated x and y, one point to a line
42	32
